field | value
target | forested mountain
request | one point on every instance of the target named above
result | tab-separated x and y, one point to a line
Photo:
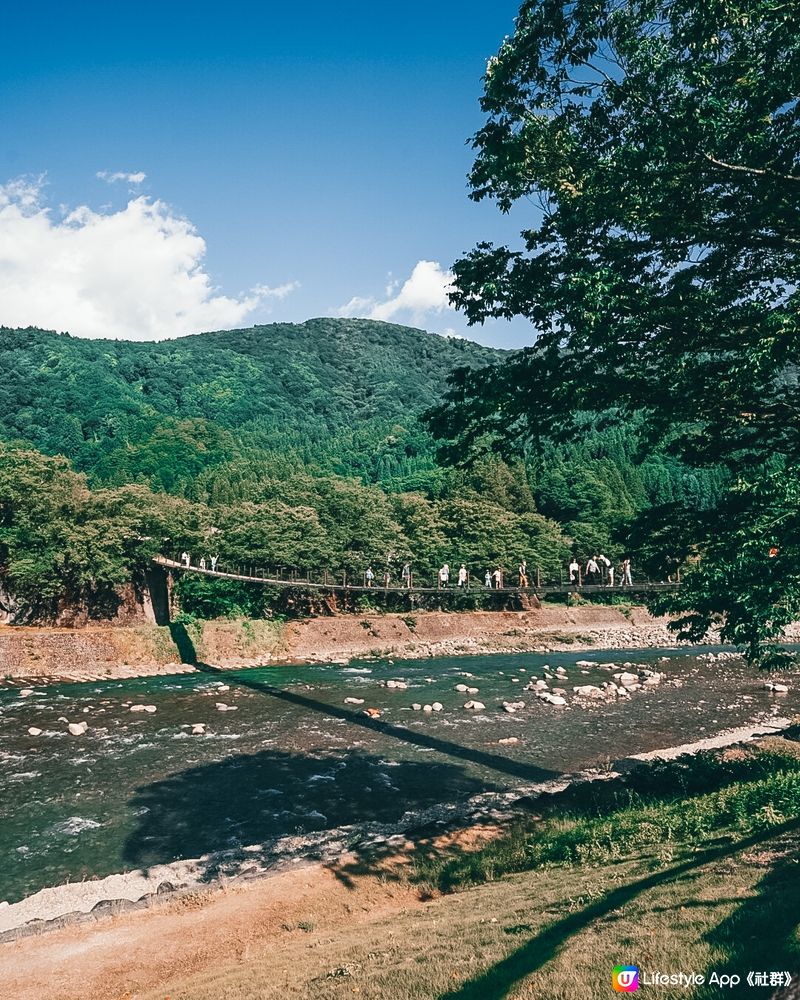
340	394
284	445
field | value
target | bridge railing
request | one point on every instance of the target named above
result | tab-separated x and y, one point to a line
538	582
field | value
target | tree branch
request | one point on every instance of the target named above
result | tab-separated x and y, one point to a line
762	172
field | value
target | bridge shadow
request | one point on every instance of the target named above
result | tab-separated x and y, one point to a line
224	807
497	762
497	982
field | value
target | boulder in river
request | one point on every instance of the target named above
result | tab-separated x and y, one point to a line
508	740
143	708
475	706
353	701
462	688
417	707
26	692
372	713
78	728
427	708
198	728
437	706
33	731
589	691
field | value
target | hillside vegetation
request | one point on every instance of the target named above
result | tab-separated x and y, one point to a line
294	446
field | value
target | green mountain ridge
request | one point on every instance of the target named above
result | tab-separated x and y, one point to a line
340	393
288	445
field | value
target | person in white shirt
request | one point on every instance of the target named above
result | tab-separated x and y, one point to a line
487	580
592	571
369	576
575	572
462	576
444	575
498	578
214	561
186	558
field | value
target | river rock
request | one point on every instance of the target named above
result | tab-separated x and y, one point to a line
222	707
26	692
437	706
198	728
474	706
399	685
589	691
427	708
417	707
353	701
587	663
507	740
626	678
78	728
462	688
559	692
472	690
777	688
33	731
372	713
513	706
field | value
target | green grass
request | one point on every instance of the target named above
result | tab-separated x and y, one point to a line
666	806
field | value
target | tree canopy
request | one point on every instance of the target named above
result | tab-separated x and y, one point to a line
661	142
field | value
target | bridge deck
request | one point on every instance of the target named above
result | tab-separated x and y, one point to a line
257	576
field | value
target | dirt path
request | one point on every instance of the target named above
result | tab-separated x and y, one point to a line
122	956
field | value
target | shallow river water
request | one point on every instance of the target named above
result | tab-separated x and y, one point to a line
138	789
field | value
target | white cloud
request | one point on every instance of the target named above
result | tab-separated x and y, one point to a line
422	294
120	175
136	273
279	292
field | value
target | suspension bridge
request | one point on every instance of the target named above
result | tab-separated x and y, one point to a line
339	583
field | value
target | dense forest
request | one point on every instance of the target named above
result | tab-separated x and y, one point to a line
291	446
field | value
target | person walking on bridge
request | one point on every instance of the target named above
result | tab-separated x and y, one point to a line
626	573
498	578
214	560
575	572
487	580
405	575
202	562
523	574
369	576
186	559
592	571
462	576
444	576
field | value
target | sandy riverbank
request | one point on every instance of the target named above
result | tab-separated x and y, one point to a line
102	653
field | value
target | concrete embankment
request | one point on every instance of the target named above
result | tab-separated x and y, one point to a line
149	650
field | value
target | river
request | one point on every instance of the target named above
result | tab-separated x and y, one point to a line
139	789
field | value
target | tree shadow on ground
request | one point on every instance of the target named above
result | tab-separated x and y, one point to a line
251	799
763	933
496	982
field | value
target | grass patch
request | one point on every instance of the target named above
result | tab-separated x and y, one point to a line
666	806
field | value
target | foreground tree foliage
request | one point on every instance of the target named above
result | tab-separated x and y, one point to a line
661	139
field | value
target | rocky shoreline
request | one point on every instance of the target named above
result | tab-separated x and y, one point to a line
111	653
58	906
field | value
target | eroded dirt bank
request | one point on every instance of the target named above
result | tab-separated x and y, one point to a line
40	654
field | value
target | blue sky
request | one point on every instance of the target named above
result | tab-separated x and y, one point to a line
318	151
